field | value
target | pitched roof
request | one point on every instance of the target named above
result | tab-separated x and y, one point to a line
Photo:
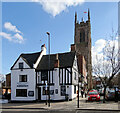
30	58
65	60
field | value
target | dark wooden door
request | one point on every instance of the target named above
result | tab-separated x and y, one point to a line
39	93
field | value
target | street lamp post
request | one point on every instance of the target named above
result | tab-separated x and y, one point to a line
78	90
48	67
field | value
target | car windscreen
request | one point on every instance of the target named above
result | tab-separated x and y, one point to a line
93	93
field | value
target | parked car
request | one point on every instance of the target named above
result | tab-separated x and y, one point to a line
119	95
93	95
110	95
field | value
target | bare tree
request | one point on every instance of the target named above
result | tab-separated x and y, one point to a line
107	66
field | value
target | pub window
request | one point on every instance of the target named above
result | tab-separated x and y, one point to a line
67	77
74	89
56	91
21	65
75	62
22	78
75	76
45	91
51	92
44	75
21	92
31	93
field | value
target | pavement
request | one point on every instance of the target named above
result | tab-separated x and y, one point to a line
67	105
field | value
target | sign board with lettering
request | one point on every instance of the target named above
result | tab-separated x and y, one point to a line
20	85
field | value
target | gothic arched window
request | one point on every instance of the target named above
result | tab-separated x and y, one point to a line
80	37
83	36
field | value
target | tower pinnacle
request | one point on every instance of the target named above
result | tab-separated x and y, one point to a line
88	15
75	17
82	19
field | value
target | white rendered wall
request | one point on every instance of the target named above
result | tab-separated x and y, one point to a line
69	88
31	82
16	66
75	69
74	95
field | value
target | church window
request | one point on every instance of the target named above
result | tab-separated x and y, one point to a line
80	37
83	36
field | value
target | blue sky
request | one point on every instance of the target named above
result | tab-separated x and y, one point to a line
31	21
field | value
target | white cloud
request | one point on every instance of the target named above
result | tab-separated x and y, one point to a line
5	35
97	49
11	27
17	38
55	7
99	45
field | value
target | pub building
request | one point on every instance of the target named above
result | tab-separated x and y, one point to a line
31	75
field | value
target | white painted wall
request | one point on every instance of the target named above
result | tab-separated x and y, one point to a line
74	95
16	66
56	86
31	81
75	70
69	88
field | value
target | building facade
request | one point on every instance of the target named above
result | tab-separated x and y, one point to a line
31	76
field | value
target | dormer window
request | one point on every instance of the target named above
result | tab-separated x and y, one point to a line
21	65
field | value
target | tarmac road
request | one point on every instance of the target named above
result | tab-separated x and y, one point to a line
62	107
60	111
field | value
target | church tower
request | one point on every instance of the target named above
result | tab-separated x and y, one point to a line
82	43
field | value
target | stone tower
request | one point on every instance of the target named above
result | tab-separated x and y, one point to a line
82	43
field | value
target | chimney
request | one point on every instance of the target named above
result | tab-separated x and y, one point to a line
56	64
73	47
43	48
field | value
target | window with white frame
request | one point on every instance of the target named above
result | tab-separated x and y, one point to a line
75	62
22	78
21	65
75	76
21	92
